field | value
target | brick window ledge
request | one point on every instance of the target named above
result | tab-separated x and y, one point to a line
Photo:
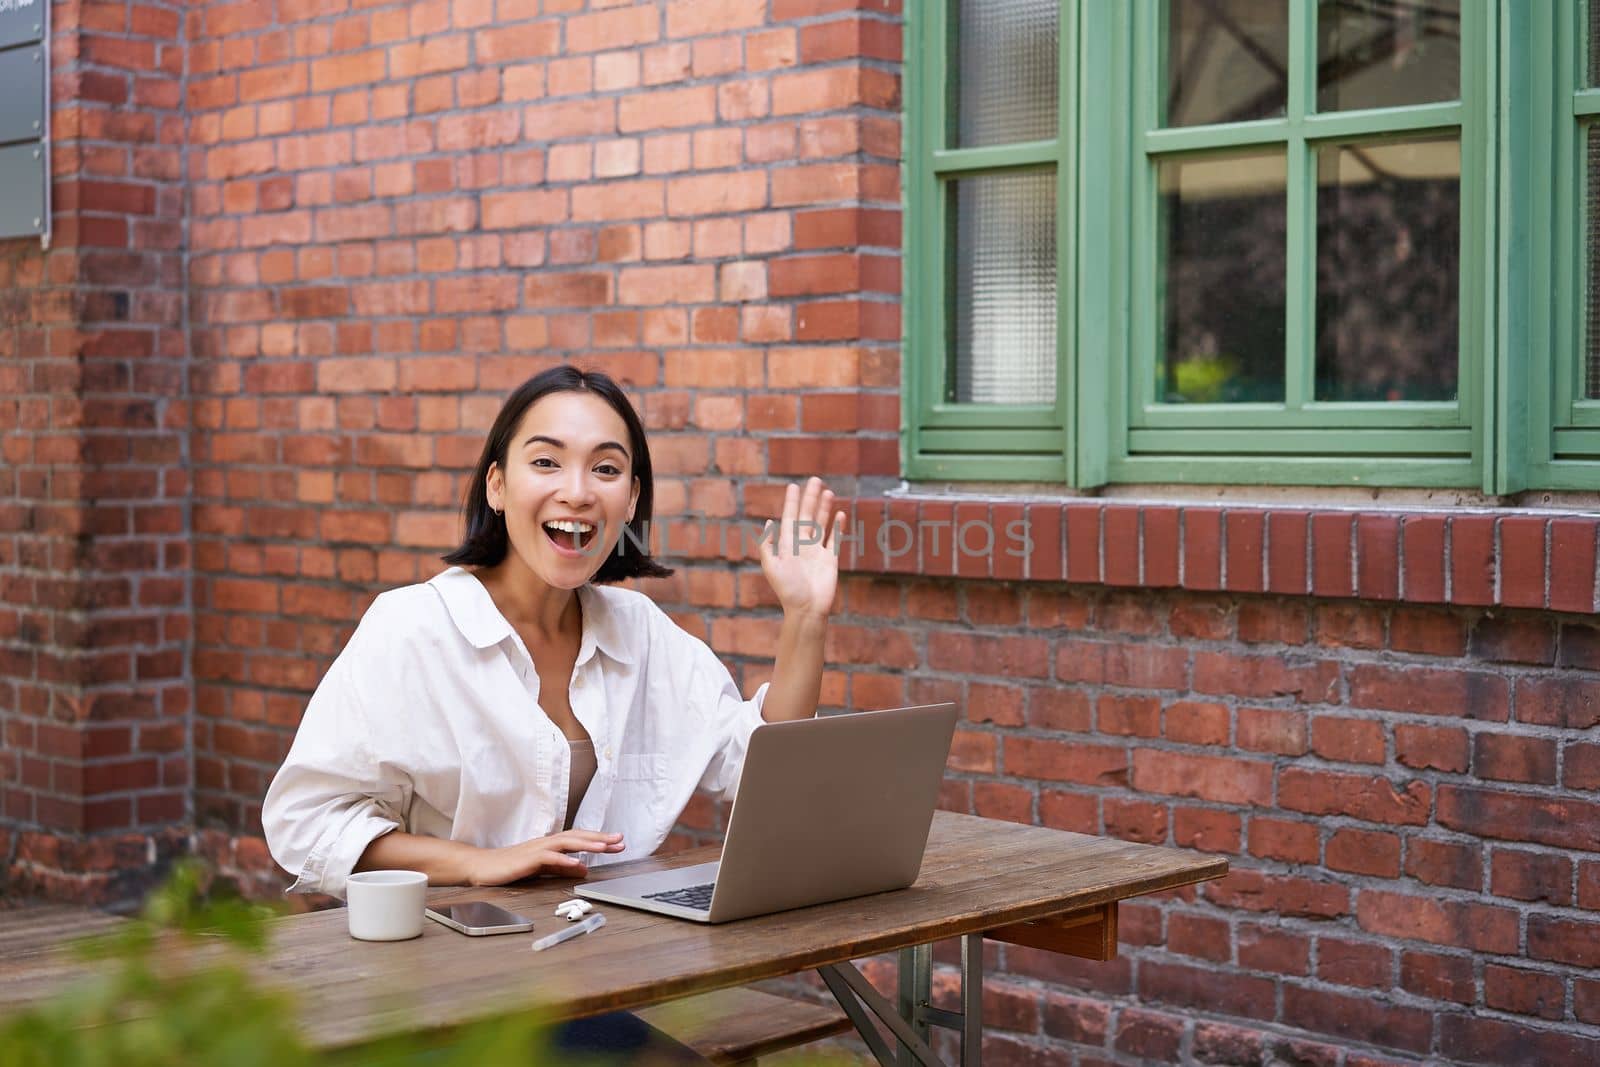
1514	559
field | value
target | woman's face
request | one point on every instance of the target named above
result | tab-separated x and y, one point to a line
568	488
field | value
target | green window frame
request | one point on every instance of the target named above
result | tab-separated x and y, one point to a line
1519	418
967	441
1553	101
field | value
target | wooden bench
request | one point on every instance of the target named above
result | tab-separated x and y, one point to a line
735	1026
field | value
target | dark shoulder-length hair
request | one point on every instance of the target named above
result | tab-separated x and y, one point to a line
486	544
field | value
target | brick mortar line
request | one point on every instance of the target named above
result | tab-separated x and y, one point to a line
770	23
777	165
1403	885
1311	980
1232	753
861	109
1272	1027
1427	833
1114	1003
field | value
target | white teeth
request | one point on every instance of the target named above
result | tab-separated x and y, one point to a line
570	527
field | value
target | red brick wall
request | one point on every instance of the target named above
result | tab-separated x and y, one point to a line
1405	784
402	211
1406	795
94	614
396	212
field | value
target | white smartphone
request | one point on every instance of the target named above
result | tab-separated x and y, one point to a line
477	918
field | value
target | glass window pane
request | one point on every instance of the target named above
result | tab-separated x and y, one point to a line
1223	274
1008	66
1594	42
1227	60
1387	53
1003	346
1388	270
1592	261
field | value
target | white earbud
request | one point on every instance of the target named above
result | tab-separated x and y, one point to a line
573	910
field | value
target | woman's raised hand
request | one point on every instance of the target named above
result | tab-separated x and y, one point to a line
542	855
800	556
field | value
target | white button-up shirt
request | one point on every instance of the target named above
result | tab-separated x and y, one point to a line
429	722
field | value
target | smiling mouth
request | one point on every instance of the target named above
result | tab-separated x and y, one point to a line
570	534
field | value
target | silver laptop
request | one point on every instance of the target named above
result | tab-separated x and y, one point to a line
827	809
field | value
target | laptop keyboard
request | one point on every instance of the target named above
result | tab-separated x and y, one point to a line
697	897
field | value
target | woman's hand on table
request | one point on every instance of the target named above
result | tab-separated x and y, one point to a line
541	856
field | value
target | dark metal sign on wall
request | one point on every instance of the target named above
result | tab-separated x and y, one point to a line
25	119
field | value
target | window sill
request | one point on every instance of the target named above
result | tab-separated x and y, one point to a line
1481	556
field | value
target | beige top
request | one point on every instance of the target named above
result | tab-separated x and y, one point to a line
580	774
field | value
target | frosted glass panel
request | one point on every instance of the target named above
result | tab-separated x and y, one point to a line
1388	270
1003	344
1387	53
1007	69
1223	278
1227	60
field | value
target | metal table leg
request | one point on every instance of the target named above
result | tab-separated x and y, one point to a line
971	1000
916	990
910	1023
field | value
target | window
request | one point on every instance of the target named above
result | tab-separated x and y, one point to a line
1565	238
1285	244
990	197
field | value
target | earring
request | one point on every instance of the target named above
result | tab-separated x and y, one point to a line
498	512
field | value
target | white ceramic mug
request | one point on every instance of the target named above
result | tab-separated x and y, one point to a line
386	905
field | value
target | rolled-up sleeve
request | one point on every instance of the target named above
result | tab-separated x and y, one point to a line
334	794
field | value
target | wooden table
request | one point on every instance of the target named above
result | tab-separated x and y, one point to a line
980	877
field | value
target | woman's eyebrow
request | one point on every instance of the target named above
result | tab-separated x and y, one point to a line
555	442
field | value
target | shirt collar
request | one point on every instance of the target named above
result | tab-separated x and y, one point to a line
473	611
602	626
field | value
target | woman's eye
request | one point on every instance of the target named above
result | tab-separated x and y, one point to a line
608	469
544	461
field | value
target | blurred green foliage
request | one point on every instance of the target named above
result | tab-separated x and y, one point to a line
1204	379
139	1010
132	1012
